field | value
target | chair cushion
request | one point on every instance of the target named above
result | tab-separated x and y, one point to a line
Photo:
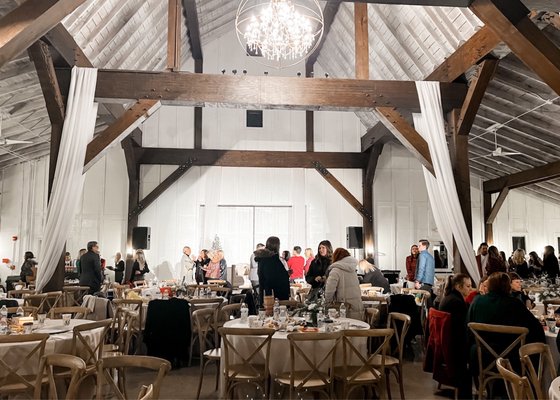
214	353
314	381
346	374
240	371
389	361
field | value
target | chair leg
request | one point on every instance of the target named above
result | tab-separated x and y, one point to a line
388	384
400	378
200	378
217	373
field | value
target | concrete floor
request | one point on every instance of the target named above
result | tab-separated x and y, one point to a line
182	384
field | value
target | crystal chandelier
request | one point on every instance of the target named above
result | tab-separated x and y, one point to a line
283	32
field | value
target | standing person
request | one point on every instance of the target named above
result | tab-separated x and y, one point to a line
550	263
140	266
254	268
118	268
425	269
437	260
77	263
457	288
90	264
128	263
223	266
200	264
187	264
342	285
482	258
212	270
519	264
273	276
535	263
309	257
411	262
296	263
28	268
495	262
316	275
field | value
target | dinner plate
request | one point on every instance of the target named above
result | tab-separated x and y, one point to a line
51	330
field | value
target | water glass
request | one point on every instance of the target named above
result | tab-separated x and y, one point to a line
27	328
332	313
262	314
41	318
66	319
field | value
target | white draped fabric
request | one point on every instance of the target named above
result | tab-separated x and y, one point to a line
442	191
79	125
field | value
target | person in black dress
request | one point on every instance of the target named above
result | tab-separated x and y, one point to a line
118	268
140	266
202	261
316	275
550	263
273	275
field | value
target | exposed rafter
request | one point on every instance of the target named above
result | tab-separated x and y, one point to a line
329	13
376	134
524	178
24	25
174	35
435	3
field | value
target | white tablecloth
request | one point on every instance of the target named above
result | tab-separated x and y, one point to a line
57	343
551	341
280	347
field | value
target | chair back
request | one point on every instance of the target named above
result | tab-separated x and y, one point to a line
51	364
220	291
119	290
554	302
546	371
12	372
225	313
319	366
28	311
369	366
400	323
82	345
134	306
106	366
146	392
504	334
203	322
73	295
20	293
121	330
197	304
76	312
371	316
238	365
237	298
517	387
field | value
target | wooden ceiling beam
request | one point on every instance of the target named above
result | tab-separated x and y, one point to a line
407	135
63	42
262	92
497	205
361	41
24	25
174	35
118	130
250	158
524	178
510	21
468	54
477	88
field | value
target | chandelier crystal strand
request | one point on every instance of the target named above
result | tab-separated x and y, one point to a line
280	29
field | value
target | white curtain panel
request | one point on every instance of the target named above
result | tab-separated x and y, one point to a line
442	191
79	125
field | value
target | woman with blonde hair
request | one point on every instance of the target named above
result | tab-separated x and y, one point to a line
213	267
519	264
140	266
373	275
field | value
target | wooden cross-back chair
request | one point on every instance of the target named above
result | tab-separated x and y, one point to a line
43	301
20	293
545	372
198	304
517	387
50	368
205	322
368	371
76	312
31	349
120	333
514	335
106	367
28	311
317	375
73	295
246	368
82	347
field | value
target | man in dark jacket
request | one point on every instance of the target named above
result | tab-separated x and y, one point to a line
90	264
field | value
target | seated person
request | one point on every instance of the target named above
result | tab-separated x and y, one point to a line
518	292
371	274
29	268
482	290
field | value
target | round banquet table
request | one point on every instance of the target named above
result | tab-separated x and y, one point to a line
60	341
280	348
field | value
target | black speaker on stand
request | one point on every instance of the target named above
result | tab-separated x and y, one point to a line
141	237
354	237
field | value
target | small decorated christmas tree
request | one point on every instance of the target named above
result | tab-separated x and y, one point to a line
216	245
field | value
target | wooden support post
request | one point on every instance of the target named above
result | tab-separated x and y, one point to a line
345	193
40	55
488	229
497	205
361	40
174	35
309	117
368	176
198	68
129	144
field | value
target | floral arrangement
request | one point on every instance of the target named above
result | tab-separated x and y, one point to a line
313	305
551	292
